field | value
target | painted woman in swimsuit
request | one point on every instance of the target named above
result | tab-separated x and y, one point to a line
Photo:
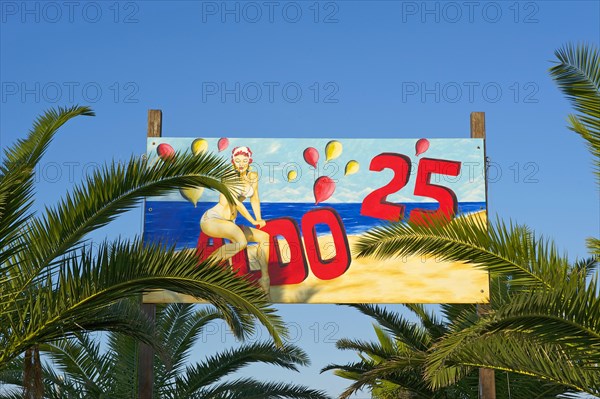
218	221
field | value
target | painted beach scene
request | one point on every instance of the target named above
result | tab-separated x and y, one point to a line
345	180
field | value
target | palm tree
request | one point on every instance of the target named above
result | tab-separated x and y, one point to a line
53	285
394	366
88	372
549	319
548	325
577	74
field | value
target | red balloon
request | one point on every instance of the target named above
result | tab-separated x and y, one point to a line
165	151
323	189
421	146
222	144
311	156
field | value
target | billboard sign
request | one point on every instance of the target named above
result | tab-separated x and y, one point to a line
304	202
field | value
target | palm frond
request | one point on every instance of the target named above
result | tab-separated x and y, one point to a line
247	388
584	268
122	351
435	328
401	372
516	353
62	386
28	151
593	245
377	351
502	249
534	334
180	327
11	394
17	175
577	74
519	386
109	192
395	361
460	313
353	371
57	385
216	367
88	284
12	372
81	358
409	333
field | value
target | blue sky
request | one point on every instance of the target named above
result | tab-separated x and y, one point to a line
345	69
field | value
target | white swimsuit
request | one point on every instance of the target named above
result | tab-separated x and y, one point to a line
249	193
216	212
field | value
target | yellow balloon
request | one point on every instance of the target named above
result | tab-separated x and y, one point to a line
333	149
192	194
199	146
351	168
292	174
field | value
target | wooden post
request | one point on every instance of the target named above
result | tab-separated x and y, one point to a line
146	354
487	380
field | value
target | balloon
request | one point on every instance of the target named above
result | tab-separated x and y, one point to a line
165	151
333	149
192	194
311	156
421	146
351	168
199	146
323	189
292	174
222	144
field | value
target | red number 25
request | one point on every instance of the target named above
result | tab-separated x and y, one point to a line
376	205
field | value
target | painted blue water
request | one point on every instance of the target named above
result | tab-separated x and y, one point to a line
177	222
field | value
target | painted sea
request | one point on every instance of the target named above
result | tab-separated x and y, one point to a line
178	222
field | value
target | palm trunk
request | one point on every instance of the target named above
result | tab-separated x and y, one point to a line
33	387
